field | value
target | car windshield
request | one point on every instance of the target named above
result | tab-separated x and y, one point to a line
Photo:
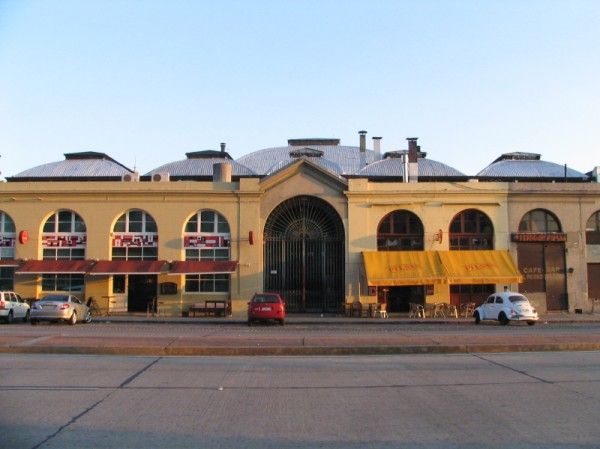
265	298
517	298
56	298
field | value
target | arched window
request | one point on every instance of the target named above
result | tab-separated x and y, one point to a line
207	237
7	250
400	230
7	237
592	229
135	237
539	220
471	229
63	238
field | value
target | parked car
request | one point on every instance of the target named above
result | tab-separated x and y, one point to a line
266	307
12	306
60	308
505	307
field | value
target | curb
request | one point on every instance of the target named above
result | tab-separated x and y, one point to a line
302	350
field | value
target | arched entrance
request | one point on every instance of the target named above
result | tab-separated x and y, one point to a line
304	255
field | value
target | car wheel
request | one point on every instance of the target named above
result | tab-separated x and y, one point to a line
88	317
26	317
73	319
33	322
503	319
249	323
531	323
9	317
477	318
281	322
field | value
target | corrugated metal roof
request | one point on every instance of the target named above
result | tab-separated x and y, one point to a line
347	160
76	168
86	164
194	167
324	163
392	167
528	169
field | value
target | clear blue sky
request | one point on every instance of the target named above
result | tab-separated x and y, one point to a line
148	81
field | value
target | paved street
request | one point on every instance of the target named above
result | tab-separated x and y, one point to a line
516	400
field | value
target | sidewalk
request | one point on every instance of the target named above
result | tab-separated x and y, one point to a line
352	336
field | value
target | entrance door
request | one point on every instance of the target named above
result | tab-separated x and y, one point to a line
304	255
141	292
556	282
593	281
399	298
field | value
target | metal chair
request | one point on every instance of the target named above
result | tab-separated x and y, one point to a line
381	310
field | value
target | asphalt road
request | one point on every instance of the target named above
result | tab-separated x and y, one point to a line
516	400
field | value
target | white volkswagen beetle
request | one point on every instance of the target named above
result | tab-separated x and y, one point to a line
505	307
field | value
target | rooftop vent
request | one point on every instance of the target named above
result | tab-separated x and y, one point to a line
312	141
306	152
519	156
208	154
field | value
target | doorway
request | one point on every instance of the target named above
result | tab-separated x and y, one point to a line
141	292
304	255
399	298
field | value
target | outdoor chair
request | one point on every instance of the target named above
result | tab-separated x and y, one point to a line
381	310
416	310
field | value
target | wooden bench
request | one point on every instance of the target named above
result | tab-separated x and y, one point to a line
208	308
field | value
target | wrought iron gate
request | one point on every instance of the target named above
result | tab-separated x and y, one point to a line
304	255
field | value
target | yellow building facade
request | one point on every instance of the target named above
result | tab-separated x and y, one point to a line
305	230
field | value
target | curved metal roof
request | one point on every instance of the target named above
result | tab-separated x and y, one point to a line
200	167
78	165
324	163
346	160
393	167
532	168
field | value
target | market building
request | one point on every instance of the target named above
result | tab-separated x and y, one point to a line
325	225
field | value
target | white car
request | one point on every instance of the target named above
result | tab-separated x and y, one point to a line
506	307
12	306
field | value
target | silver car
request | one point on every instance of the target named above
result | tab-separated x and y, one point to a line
60	308
505	307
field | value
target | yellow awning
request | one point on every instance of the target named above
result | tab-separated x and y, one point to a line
479	267
393	268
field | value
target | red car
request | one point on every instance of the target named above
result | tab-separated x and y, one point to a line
266	307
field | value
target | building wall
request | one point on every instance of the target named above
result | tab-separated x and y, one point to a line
572	204
248	203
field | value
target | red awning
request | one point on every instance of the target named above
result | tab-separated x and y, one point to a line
55	267
203	266
9	263
128	267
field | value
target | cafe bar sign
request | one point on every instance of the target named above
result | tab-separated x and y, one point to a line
538	237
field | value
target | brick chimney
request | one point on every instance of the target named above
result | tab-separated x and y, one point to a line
413	159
